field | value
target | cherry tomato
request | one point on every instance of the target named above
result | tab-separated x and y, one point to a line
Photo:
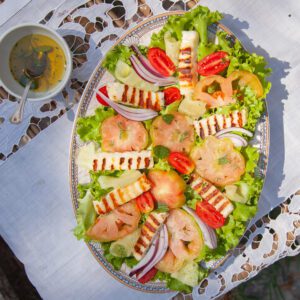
208	214
214	63
171	95
103	90
145	202
181	162
148	276
161	62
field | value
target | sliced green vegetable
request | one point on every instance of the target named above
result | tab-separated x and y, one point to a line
124	247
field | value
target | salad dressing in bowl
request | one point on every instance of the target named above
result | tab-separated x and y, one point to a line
28	48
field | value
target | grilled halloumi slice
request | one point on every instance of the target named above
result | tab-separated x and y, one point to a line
153	223
122	195
187	66
214	123
213	195
131	160
133	96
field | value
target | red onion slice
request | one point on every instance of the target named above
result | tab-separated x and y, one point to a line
209	235
147	76
236	129
161	251
151	252
127	112
145	62
237	140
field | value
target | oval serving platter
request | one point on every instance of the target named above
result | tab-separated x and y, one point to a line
142	33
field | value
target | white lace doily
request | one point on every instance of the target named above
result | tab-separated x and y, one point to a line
90	28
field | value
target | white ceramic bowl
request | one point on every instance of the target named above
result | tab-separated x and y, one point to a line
7	42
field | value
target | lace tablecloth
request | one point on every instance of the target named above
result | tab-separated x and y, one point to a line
91	27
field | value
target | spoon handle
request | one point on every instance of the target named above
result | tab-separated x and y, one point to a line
17	117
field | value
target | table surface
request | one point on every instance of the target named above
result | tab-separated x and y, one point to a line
38	197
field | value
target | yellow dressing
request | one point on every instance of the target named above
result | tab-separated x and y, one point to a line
26	48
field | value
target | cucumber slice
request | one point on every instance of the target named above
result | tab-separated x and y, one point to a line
188	274
237	193
124	247
127	75
126	178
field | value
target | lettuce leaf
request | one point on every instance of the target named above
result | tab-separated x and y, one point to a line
88	127
117	262
86	214
197	19
119	52
172	283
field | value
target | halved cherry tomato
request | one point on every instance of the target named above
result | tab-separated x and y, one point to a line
208	214
148	276
181	162
171	95
214	63
103	90
145	202
245	78
161	61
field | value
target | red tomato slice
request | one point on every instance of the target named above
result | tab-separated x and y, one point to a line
161	61
103	90
171	95
208	214
148	276
145	202
214	63
181	162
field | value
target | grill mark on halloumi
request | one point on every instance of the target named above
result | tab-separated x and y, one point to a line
122	195
131	160
132	96
212	195
187	62
124	95
214	123
153	223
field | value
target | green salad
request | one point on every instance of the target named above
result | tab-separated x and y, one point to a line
171	179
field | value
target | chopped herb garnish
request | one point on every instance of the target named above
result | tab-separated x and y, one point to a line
161	151
168	118
223	160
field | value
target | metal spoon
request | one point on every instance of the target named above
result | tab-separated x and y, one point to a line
35	68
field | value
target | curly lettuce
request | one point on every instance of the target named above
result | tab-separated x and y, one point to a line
117	262
86	214
119	52
88	127
197	19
